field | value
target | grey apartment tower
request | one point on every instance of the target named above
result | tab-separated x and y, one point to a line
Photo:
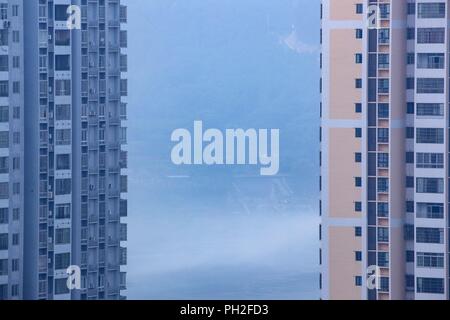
63	162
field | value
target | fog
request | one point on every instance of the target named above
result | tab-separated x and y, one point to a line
223	232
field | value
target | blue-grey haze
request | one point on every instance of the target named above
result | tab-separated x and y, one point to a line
223	232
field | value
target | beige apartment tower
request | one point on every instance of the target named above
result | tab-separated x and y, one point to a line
384	149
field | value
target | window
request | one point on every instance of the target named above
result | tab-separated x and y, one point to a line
430	135
432	10
16	113
4	215
61	12
62	211
410	157
358	182
3	241
409	182
384	284
430	160
383	110
430	85
430	61
359	34
358	281
358	232
383	234
15	266
410	206
62	261
61	286
358	256
409	132
410	58
432	110
410	108
358	107
4	63
430	235
383	259
15	10
16	62
4	89
63	137
62	162
62	62
409	83
358	206
4	114
63	186
16	36
4	190
430	185
63	112
359	8
15	239
16	214
383	185
3	291
4	39
430	285
383	160
4	11
409	256
383	61
383	135
4	165
383	209
383	36
62	37
385	10
408	232
358	157
430	210
430	35
62	236
358	132
358	83
430	260
358	58
3	267
62	88
411	8
383	86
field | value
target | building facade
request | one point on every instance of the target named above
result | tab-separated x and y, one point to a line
384	149
63	182
11	149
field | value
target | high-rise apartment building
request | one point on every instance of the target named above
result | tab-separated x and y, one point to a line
384	155
63	183
11	149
